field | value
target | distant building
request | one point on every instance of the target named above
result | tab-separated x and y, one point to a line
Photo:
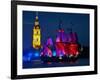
36	42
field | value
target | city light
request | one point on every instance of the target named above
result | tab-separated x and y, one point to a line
54	53
36	54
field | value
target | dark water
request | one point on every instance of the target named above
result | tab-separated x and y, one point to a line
40	64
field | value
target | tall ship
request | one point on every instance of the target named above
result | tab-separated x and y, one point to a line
64	48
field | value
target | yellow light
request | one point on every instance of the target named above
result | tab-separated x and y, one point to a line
36	42
36	38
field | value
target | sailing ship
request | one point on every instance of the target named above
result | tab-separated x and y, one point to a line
64	48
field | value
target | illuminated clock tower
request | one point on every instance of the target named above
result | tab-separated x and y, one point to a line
36	42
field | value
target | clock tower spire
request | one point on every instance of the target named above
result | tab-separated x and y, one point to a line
36	42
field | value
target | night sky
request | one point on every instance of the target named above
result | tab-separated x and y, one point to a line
49	23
